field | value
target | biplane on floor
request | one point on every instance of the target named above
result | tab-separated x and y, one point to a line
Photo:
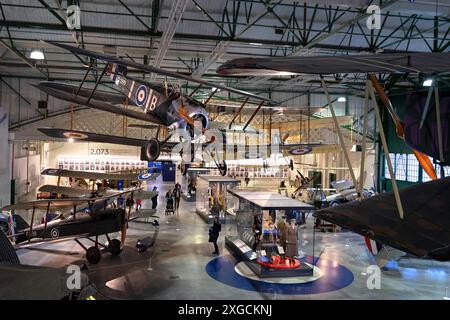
80	218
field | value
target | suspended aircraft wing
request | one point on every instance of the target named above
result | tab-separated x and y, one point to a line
85	136
424	229
426	62
72	192
91	137
232	107
100	176
116	97
68	93
151	69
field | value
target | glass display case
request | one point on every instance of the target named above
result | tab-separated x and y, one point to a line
267	236
189	185
210	190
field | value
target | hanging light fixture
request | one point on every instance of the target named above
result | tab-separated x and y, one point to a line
37	54
427	82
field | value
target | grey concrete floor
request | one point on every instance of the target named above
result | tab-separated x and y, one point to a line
175	267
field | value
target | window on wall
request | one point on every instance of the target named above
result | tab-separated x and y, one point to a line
413	168
405	166
400	167
387	175
438	171
425	176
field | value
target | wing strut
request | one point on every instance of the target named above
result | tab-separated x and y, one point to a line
438	123
195	90
386	152
338	130
364	137
210	96
97	82
91	64
427	104
239	111
253	115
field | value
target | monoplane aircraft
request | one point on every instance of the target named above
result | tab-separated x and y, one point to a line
419	225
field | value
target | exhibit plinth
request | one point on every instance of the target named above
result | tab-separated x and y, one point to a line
267	235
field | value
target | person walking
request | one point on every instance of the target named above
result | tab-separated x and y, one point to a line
177	195
155	198
214	232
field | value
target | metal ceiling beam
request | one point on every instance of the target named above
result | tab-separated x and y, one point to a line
176	12
156	13
134	15
7	28
222	46
20	95
144	33
22	57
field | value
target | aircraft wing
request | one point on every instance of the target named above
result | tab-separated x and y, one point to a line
26	282
91	137
232	107
151	69
66	92
55	204
73	192
424	230
422	62
101	176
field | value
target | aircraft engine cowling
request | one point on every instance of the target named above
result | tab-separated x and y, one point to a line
151	150
197	117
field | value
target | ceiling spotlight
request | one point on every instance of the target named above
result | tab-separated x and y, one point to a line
215	89
70	140
342	99
255	44
37	54
428	83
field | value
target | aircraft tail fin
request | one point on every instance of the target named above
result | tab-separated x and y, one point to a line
21	225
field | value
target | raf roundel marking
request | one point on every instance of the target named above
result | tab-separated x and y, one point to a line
141	95
300	151
74	135
144	176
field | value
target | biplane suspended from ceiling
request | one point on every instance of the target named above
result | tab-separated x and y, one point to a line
160	104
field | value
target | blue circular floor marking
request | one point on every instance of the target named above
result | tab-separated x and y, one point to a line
335	277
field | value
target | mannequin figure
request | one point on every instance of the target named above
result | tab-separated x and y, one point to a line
292	241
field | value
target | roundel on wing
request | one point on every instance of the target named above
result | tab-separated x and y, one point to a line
74	135
52	171
144	176
299	151
141	95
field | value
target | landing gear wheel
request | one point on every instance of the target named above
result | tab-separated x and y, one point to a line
152	149
93	255
114	245
222	168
